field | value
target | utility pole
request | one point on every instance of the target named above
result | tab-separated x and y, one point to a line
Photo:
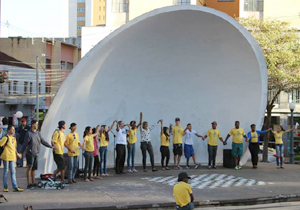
37	89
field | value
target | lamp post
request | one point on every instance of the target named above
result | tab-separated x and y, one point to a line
19	115
292	154
38	87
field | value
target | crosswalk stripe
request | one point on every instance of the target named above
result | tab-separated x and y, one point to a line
165	179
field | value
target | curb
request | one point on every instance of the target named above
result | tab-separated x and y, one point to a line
164	206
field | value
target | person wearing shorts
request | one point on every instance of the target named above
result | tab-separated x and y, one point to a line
31	147
237	134
177	132
188	145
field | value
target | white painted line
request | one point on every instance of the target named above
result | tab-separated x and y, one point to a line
155	179
165	179
217	184
204	184
210	177
240	182
250	182
261	183
221	177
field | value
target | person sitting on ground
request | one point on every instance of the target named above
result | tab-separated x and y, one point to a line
182	192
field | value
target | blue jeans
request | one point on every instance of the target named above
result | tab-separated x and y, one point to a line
20	161
131	152
103	152
279	153
12	169
190	206
73	166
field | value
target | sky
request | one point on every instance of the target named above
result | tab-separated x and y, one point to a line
34	18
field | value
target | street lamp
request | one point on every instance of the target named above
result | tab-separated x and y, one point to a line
19	115
292	154
37	86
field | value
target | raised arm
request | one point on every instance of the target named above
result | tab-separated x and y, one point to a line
141	118
129	127
289	130
161	127
97	131
112	125
154	125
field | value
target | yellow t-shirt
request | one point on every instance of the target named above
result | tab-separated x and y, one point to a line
237	135
214	135
59	139
9	153
164	141
73	141
89	144
181	192
177	134
254	137
132	136
103	141
278	137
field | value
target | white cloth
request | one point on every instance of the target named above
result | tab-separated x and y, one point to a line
145	134
121	136
189	137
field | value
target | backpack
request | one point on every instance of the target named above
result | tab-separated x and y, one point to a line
3	147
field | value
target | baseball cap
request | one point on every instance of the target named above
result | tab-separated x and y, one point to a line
72	125
177	119
214	122
61	123
182	176
23	119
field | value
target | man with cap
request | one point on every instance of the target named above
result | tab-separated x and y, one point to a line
182	192
237	134
31	146
58	142
21	132
177	131
214	135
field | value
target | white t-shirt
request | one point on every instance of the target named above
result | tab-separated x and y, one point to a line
189	136
121	136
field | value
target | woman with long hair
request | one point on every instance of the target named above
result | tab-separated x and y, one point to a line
279	144
88	147
104	140
164	146
96	168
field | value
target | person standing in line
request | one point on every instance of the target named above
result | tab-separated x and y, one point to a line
237	134
279	144
214	135
188	145
177	132
21	132
132	138
96	169
73	142
121	146
164	146
146	143
31	147
4	130
9	157
182	192
58	142
104	140
88	147
253	137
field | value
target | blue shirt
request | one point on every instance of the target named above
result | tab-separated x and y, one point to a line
258	132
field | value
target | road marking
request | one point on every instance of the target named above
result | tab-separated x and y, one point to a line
209	181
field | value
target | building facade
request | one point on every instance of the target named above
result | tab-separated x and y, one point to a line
56	60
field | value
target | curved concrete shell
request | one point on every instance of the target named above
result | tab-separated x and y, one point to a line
190	62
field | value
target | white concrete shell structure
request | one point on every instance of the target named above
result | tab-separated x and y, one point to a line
191	62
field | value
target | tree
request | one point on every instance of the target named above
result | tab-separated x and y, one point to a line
280	44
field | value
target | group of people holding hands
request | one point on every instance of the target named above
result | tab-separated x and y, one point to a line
96	140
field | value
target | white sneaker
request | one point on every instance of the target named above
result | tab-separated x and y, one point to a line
129	171
209	167
197	166
179	167
187	167
134	170
176	168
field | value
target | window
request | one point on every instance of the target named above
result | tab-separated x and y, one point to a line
183	2
15	87
9	87
48	63
81	1
79	27
99	17
25	87
40	85
48	89
81	18
30	88
271	95
253	5
80	9
295	96
120	6
99	8
66	65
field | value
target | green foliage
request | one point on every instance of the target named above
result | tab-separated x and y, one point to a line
280	44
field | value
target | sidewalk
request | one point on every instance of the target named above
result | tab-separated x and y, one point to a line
150	188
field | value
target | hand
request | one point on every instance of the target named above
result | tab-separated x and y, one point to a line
128	125
19	155
161	120
294	127
73	151
116	121
141	114
269	129
171	125
202	138
224	143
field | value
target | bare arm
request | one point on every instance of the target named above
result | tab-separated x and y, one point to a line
192	197
69	148
112	125
198	135
161	127
97	131
289	130
227	137
140	123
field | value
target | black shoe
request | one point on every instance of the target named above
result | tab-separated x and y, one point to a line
70	181
30	187
74	181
